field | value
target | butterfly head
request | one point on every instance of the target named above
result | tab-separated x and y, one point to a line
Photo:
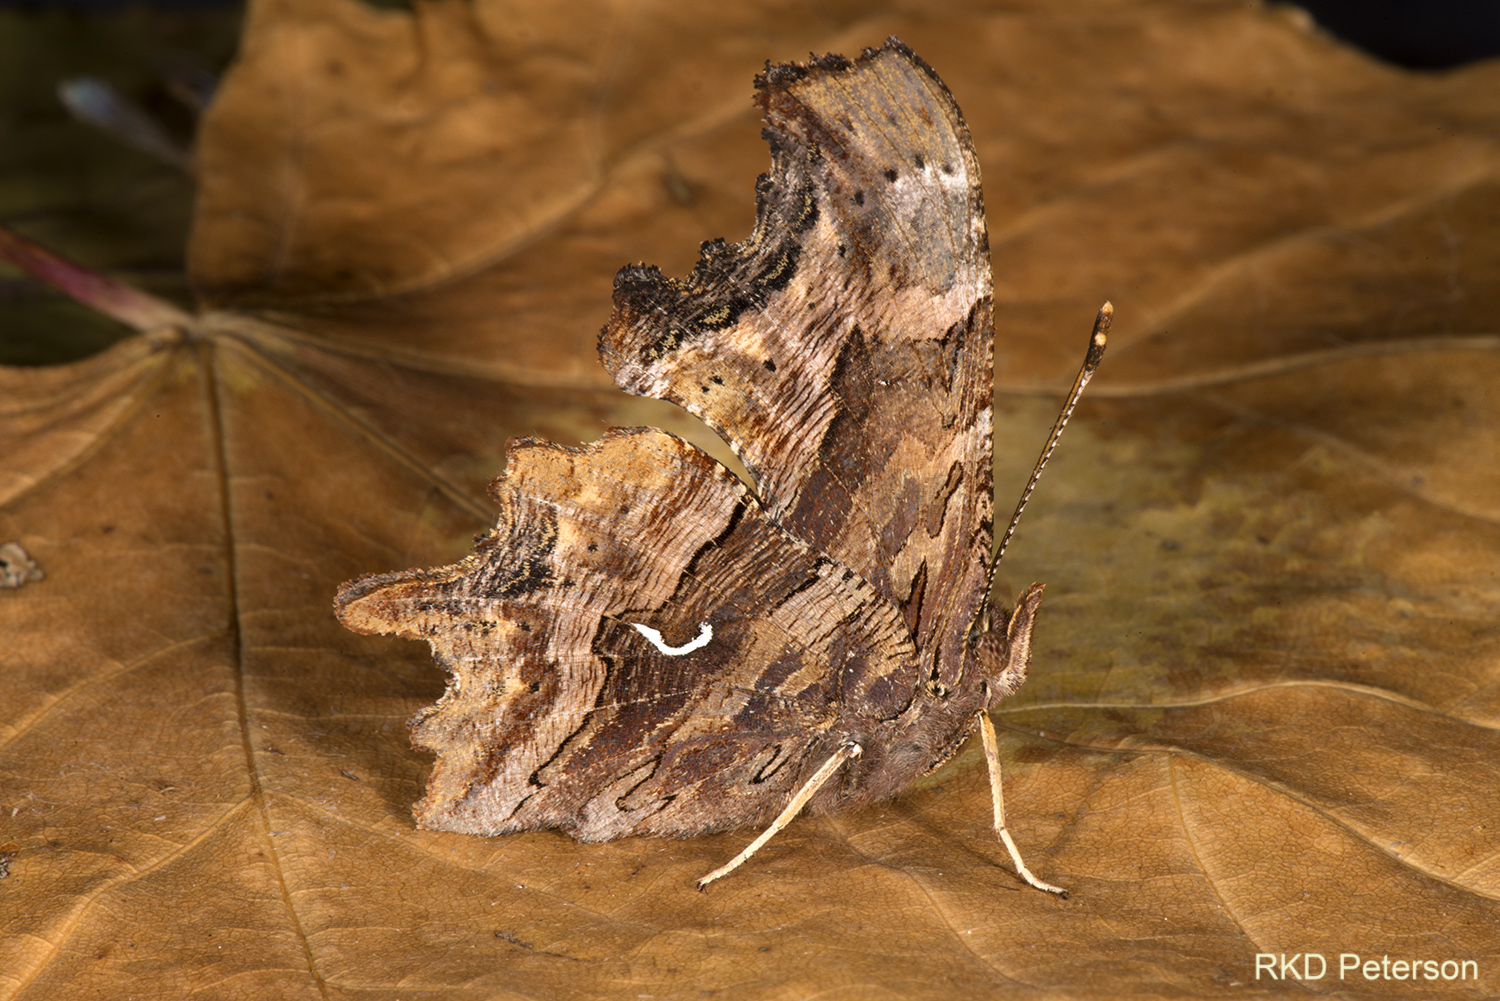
1001	643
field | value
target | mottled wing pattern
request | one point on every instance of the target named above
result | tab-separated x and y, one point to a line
644	646
561	713
844	350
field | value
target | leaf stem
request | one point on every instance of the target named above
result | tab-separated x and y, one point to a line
119	301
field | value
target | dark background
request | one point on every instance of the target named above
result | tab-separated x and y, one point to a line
1418	34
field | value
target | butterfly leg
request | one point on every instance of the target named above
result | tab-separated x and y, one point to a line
809	788
997	794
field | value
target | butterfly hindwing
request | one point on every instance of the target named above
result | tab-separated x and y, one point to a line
636	649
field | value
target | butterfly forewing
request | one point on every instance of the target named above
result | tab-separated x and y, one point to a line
844	349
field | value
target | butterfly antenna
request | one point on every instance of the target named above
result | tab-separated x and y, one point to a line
1090	365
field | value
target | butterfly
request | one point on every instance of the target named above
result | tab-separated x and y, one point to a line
645	645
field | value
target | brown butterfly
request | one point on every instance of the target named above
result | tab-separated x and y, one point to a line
645	646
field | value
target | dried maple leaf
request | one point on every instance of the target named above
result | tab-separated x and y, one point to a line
1263	709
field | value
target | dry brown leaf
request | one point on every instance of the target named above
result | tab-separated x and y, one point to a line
1263	715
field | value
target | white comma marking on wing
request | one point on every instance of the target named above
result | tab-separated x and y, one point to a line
705	634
